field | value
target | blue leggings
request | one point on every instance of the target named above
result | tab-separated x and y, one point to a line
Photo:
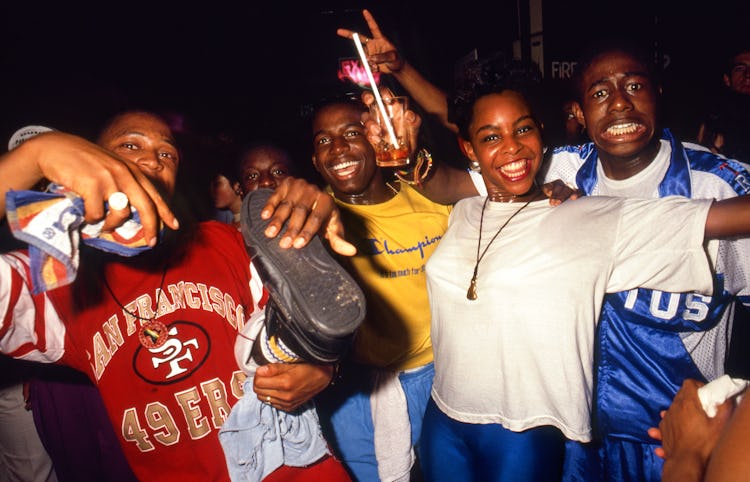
452	450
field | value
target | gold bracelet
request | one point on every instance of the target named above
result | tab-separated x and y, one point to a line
419	172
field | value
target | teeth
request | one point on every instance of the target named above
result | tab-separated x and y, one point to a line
343	165
621	129
514	167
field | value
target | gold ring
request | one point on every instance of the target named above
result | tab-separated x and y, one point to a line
268	399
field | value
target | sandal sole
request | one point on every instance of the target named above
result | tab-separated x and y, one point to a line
322	304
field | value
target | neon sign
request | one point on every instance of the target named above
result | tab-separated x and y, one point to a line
352	69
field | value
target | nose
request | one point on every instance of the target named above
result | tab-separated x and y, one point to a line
266	180
620	101
338	144
511	145
150	160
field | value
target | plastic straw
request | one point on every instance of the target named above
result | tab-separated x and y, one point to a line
378	99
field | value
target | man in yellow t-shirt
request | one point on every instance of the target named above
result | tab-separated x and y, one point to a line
374	415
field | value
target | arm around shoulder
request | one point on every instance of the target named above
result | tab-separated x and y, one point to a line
447	184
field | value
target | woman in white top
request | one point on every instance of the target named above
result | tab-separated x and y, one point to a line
516	287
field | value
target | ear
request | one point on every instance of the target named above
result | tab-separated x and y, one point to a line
237	188
315	163
468	149
727	80
578	112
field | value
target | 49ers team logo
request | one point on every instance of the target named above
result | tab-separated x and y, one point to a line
178	351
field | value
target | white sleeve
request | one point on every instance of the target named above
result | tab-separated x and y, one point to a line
563	164
30	327
660	245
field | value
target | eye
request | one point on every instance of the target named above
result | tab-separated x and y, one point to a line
599	94
352	133
490	138
322	140
279	172
251	176
525	129
129	145
635	86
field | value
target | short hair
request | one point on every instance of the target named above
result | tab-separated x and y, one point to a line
119	115
489	75
731	53
257	145
310	110
615	42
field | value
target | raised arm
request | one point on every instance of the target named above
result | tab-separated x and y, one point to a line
88	170
442	183
383	56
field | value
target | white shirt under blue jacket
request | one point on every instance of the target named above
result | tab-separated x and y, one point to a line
649	341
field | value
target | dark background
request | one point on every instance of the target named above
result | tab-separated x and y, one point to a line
248	69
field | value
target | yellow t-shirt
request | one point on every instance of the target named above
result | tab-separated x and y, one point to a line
394	239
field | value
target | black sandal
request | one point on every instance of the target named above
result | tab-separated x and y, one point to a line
315	306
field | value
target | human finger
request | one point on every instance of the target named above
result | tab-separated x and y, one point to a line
312	210
289	385
558	192
654	433
386	93
413	124
153	209
346	33
279	208
94	173
372	24
373	130
368	97
660	452
388	57
118	210
294	202
334	233
325	219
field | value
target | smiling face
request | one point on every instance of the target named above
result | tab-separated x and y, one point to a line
342	154
619	105
147	141
506	140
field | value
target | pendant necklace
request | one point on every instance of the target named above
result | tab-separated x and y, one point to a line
471	294
153	333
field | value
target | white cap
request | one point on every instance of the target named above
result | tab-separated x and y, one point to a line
25	133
